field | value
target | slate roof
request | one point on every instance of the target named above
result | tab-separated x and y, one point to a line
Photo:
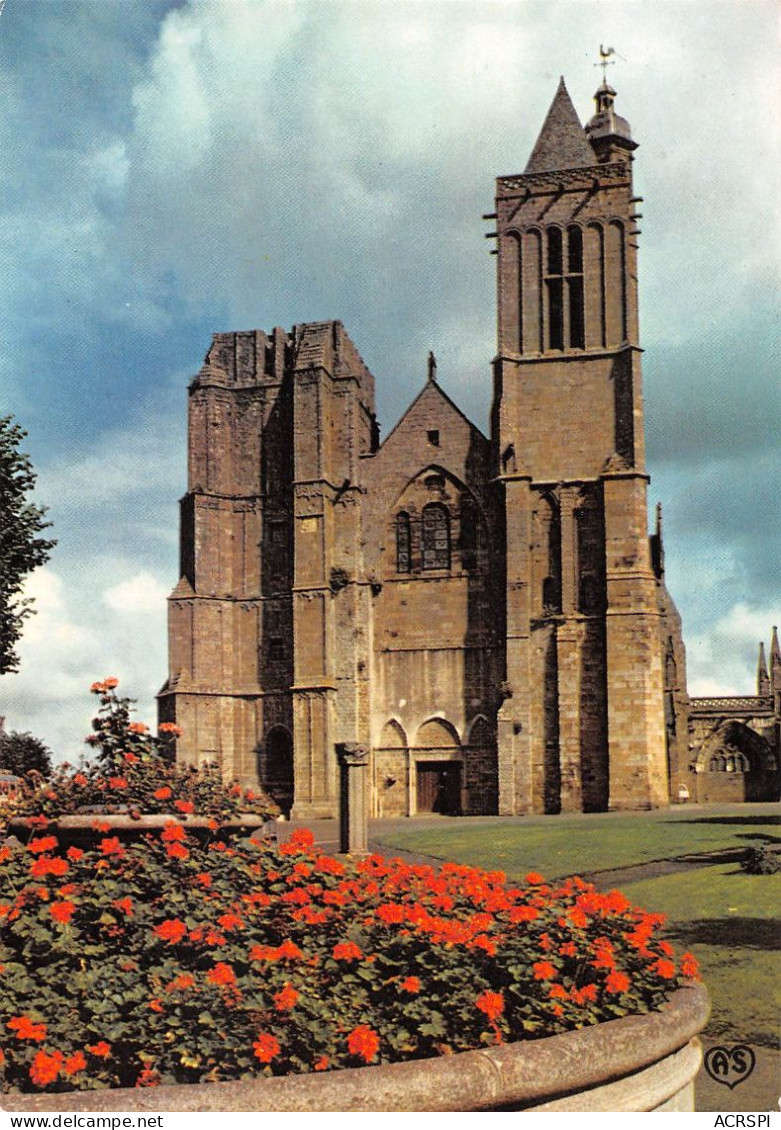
562	143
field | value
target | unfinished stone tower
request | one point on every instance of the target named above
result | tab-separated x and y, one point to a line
487	616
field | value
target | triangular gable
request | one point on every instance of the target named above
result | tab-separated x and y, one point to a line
431	388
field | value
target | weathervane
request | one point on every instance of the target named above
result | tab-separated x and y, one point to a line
604	55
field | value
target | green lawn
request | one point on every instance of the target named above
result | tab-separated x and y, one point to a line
563	845
730	922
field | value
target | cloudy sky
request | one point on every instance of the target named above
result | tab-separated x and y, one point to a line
171	169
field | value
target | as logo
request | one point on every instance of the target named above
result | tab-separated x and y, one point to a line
729	1065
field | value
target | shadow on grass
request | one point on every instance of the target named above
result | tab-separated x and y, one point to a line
749	933
767	819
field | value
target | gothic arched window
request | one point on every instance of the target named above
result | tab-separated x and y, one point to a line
403	543
436	537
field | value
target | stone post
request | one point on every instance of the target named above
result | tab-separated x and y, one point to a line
353	797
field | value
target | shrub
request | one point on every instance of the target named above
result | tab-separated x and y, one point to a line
173	961
20	753
762	860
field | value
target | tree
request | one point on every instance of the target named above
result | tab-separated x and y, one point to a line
21	548
19	753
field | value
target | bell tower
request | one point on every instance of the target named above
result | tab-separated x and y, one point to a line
582	722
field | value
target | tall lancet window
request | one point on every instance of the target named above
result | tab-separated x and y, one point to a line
577	329
555	285
403	543
564	285
436	537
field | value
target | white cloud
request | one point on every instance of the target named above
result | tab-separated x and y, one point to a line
140	595
79	634
727	653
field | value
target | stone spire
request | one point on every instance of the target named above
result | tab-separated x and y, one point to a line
775	663
763	679
562	144
607	131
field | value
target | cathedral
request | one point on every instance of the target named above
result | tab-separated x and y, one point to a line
485	615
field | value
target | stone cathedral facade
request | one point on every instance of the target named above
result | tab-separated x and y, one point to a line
486	614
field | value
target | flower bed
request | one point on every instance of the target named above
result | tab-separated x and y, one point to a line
169	960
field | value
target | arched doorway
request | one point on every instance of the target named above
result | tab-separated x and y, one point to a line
276	768
438	769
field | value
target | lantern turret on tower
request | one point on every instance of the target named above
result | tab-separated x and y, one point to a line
607	131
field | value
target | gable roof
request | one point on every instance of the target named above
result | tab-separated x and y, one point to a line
431	388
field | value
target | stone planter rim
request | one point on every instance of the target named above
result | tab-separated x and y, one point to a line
528	1074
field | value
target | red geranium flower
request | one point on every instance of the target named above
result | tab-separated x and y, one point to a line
230	922
172	832
392	913
148	1078
492	1004
75	1063
410	985
44	843
689	966
138	728
364	1042
74	853
181	981
177	851
26	1029
172	930
302	837
322	1063
534	879
285	999
102	1050
544	971
45	865
184	805
617	982
111	846
45	1067
524	914
222	974
347	951
266	1047
62	911
665	968
117	782
162	794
